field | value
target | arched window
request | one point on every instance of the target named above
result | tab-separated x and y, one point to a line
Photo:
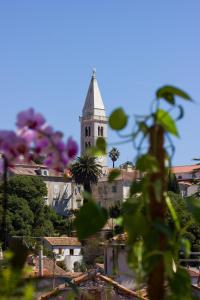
89	131
101	131
89	144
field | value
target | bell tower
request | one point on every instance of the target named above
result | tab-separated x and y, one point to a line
94	122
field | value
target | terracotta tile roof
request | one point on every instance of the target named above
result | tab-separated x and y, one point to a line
63	241
193	273
48	267
185	169
124	175
31	168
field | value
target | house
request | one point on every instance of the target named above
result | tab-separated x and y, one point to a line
66	249
110	194
188	178
62	193
115	261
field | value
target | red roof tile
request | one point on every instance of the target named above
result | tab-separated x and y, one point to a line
185	169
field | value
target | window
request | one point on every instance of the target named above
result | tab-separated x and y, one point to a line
86	144
89	144
101	131
46	200
71	251
179	177
89	131
45	173
114	189
60	251
86	131
78	203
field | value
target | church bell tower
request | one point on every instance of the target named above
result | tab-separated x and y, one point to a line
94	122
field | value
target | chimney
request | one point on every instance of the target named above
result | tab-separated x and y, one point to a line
41	261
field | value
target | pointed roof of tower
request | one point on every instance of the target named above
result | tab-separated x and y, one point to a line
93	103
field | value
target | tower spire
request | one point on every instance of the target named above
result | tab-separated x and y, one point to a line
93	120
93	102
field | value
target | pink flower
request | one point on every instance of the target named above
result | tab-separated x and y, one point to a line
35	138
30	119
72	148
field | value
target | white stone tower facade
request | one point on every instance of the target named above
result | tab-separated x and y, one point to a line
94	122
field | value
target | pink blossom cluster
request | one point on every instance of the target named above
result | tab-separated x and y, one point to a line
34	138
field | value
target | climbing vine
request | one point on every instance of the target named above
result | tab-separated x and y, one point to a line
153	247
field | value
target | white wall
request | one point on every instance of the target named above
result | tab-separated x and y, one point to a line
115	264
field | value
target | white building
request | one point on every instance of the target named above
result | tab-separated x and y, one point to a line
115	261
67	249
93	120
63	194
188	178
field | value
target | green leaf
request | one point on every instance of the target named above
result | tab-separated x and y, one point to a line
136	187
134	222
185	244
173	213
99	149
118	119
101	144
180	284
165	120
113	175
28	292
90	219
147	162
168	92
168	261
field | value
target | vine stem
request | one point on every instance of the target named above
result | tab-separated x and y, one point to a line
5	203
157	208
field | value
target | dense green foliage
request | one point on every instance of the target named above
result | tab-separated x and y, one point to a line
187	222
173	183
27	214
86	171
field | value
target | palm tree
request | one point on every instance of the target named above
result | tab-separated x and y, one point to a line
114	155
86	171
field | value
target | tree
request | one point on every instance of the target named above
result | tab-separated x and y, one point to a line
192	232
28	214
86	171
173	183
114	155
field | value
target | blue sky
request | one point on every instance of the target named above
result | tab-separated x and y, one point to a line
48	49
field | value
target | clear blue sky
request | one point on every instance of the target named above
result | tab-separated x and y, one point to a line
49	47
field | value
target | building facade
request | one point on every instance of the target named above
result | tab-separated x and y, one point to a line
63	195
188	178
109	194
93	120
67	249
